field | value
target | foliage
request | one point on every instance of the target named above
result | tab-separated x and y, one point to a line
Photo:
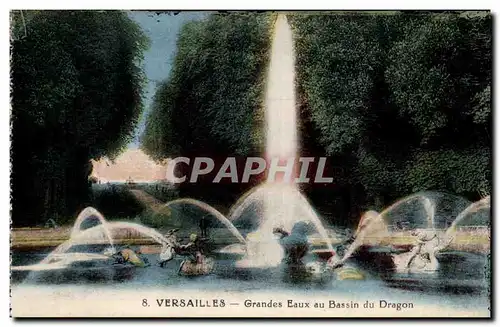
115	201
162	192
76	96
402	100
164	219
212	101
336	57
464	171
440	75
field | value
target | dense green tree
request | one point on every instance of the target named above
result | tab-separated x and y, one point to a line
341	60
76	96
212	101
401	100
440	77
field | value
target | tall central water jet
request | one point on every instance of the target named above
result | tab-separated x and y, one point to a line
283	205
281	128
281	144
281	115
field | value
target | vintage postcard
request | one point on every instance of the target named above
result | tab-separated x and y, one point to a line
251	164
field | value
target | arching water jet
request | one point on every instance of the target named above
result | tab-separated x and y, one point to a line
217	214
90	236
372	229
484	203
86	214
428	206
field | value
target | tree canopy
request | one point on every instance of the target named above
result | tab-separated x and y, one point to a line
212	101
401	101
76	95
404	97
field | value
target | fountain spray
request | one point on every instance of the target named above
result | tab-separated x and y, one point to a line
283	204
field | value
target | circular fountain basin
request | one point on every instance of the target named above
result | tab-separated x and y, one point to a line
72	267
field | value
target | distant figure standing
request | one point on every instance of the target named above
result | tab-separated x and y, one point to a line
203	227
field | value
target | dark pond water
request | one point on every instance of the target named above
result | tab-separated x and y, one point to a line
460	282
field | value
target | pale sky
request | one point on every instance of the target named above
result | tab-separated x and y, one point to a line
162	31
